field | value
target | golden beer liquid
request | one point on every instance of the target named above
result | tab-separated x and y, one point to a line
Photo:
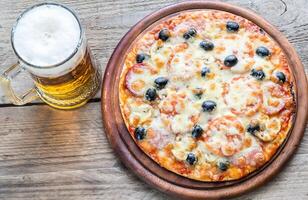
73	89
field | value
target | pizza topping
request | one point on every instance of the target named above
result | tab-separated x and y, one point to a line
197	131
138	111
253	128
160	82
160	54
150	94
262	51
225	136
206	45
223	166
251	157
164	34
135	80
187	66
275	98
230	61
232	26
280	76
140	57
243	96
158	135
266	131
180	67
205	71
190	33
198	92
182	146
140	133
208	106
174	103
191	158
258	74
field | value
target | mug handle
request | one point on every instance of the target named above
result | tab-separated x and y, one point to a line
5	83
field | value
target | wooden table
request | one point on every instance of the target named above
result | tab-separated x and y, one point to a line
52	154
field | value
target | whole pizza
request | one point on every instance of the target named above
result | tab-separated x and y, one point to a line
207	95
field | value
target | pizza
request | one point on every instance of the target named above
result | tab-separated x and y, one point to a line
207	95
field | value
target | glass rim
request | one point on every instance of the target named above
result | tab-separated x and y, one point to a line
57	64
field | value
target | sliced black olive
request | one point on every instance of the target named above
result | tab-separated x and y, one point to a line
281	77
258	74
160	82
262	51
230	61
232	26
140	133
253	128
207	45
151	94
197	131
204	71
191	159
140	57
223	166
164	34
208	105
190	33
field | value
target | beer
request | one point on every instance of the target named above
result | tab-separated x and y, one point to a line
51	45
78	85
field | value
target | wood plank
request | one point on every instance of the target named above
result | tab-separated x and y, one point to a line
51	154
107	21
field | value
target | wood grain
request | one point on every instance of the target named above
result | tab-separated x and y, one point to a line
52	154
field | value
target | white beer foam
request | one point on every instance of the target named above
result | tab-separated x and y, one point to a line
47	35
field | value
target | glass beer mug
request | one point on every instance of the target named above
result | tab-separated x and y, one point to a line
50	44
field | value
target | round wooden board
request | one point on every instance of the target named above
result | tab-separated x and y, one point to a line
169	182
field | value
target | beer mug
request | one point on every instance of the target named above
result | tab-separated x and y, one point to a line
50	44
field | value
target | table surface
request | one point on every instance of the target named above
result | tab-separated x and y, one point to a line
51	154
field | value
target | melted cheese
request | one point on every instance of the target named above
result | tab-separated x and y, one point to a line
139	111
182	147
240	98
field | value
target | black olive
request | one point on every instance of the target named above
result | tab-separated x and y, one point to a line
208	106
223	166
232	26
190	33
197	131
207	45
281	77
151	94
164	34
258	74
253	128
140	133
140	57
262	51
191	159
204	71
160	82
230	61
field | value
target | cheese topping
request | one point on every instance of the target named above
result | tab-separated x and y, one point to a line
199	112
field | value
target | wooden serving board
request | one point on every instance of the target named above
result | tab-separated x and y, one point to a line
164	180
